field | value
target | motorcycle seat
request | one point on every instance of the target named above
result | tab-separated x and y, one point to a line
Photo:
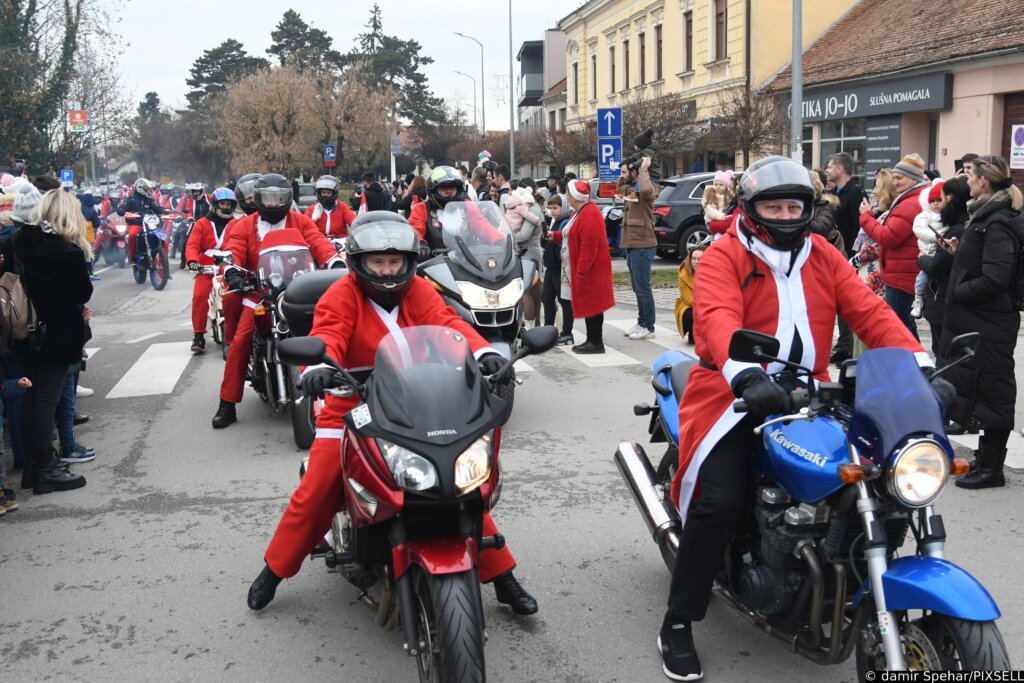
679	375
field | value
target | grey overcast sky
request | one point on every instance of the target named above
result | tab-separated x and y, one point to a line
163	39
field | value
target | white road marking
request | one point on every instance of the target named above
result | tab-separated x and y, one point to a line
156	372
523	366
145	337
663	336
610	357
187	323
102	270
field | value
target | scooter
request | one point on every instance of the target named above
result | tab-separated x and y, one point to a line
479	274
110	242
417	484
150	251
838	484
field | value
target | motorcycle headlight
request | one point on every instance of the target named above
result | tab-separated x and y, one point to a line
474	465
121	229
275	280
918	472
476	296
411	471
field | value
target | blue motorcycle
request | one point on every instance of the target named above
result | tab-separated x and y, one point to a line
150	252
818	558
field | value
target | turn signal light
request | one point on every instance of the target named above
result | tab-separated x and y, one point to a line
851	474
260	310
959	467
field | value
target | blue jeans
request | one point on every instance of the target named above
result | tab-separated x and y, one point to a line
901	303
66	415
639	262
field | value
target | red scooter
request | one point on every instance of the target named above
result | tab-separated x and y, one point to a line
417	484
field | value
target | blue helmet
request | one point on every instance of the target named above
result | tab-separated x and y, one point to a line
223	194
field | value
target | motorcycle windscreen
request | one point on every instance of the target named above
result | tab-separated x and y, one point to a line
893	400
427	387
478	238
284	253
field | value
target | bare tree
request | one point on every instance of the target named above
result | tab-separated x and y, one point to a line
670	116
751	121
559	148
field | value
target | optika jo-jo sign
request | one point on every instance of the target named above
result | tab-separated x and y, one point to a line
923	93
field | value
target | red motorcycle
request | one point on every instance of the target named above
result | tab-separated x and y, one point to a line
417	484
110	241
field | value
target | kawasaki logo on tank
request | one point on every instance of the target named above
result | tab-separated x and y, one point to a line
815	458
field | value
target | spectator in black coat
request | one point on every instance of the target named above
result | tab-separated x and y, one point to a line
953	216
375	197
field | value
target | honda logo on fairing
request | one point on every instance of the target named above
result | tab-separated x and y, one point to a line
815	458
442	432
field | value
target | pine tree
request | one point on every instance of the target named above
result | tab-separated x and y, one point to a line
216	68
303	47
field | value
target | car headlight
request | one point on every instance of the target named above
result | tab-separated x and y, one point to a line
918	472
473	466
411	471
476	296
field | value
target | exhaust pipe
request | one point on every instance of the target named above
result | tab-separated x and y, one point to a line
659	514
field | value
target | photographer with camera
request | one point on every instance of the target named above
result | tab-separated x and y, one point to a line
638	240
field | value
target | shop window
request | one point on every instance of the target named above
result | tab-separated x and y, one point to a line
845	136
807	144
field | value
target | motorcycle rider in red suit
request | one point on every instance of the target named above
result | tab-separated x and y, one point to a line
381	293
768	274
272	196
444	184
194	203
332	217
140	202
231	303
208	235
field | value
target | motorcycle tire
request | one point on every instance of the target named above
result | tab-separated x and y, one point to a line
122	256
937	642
139	272
109	258
217	330
451	623
160	273
303	420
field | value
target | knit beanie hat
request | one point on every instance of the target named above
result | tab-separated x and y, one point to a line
935	194
25	204
643	141
724	177
911	166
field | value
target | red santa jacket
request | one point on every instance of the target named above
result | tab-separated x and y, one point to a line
590	264
735	288
352	326
203	241
244	240
187	206
897	245
334	223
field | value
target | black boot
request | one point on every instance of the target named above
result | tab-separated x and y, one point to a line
262	590
509	592
51	477
989	474
225	415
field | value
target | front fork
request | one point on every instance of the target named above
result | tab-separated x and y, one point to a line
279	378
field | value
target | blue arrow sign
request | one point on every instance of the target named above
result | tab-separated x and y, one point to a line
609	122
67	176
609	157
330	153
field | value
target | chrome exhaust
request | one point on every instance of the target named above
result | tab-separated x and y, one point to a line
659	514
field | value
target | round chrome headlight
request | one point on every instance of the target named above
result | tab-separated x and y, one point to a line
918	472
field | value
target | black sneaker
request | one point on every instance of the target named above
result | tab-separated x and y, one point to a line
678	654
198	344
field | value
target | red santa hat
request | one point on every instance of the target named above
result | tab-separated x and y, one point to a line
579	190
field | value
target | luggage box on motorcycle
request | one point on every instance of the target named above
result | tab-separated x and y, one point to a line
301	296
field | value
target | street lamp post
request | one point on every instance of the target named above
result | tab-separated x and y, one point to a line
483	105
511	97
474	94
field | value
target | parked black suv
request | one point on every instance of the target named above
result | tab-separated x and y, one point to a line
678	216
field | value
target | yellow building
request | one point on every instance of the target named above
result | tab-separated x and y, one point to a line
620	50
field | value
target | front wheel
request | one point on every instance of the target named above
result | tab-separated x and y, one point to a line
160	273
122	256
451	624
937	642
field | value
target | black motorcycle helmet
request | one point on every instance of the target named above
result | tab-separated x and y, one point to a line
777	177
243	192
382	232
327	191
272	196
444	176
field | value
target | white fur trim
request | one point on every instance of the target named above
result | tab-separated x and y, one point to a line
315	367
484	351
924	360
323	433
725	422
735	367
571	187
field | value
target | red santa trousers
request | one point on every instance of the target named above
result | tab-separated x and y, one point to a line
235	367
201	302
231	308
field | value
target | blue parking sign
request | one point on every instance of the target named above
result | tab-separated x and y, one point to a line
609	157
67	176
330	153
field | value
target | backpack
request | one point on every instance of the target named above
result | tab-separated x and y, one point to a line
19	322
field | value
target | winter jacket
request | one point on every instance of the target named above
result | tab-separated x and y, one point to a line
848	213
651	152
895	236
333	223
715	206
553	240
197	208
205	239
938	266
244	239
56	277
590	265
89	211
684	301
376	198
823	223
407	202
141	205
978	299
923	225
527	223
638	216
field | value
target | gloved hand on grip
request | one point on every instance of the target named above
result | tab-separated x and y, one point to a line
234	279
317	381
194	266
762	396
491	363
944	388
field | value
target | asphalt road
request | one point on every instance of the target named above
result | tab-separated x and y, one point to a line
142	575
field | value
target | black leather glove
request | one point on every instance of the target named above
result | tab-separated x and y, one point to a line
946	391
194	266
491	363
234	279
317	381
762	396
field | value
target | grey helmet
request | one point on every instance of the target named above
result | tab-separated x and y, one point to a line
382	232
777	177
327	182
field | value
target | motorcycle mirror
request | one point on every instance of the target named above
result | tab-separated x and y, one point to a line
302	350
964	344
748	346
540	339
